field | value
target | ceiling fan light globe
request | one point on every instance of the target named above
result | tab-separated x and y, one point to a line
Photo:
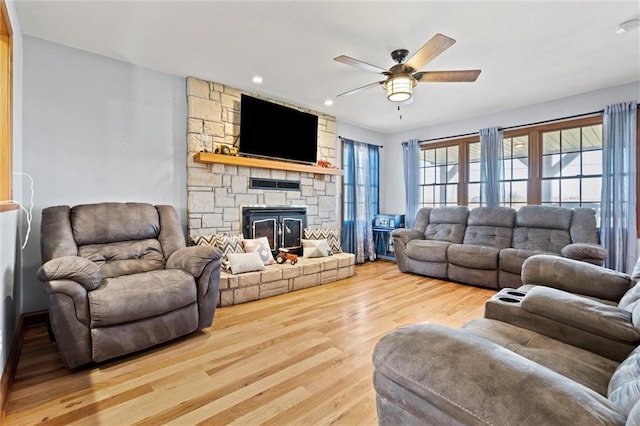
399	89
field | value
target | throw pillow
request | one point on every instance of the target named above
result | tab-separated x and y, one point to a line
261	246
245	262
315	248
332	235
227	243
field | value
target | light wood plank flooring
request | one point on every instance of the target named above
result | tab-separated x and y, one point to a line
303	358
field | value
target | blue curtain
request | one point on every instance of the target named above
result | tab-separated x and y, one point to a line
618	202
361	181
411	159
491	171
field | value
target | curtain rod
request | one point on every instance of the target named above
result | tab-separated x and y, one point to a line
555	120
366	143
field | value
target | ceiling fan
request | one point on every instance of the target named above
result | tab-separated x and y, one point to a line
403	77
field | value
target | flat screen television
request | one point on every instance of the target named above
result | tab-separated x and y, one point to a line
275	131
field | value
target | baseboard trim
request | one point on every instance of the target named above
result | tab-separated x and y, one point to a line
29	319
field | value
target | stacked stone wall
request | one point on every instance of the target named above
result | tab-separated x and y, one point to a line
216	192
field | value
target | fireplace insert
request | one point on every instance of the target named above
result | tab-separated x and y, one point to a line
283	226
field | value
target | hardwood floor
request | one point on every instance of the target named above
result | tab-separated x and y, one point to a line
301	358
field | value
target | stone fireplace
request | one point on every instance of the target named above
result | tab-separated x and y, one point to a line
217	192
282	226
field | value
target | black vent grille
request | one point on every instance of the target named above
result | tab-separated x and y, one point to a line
274	184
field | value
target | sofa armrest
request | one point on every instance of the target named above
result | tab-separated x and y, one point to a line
591	253
435	372
575	277
582	313
406	234
193	259
74	268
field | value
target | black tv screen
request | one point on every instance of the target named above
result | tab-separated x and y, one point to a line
275	131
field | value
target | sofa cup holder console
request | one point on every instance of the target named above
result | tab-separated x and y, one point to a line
509	295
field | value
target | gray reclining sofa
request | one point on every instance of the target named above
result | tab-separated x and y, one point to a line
564	352
487	245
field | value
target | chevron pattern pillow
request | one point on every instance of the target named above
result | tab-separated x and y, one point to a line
227	243
332	235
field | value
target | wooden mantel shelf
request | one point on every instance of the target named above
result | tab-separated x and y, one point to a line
208	158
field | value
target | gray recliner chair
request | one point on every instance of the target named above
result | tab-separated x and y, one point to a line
120	279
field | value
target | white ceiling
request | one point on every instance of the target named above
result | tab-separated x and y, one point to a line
529	51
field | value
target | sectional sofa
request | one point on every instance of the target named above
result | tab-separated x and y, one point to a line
486	246
560	350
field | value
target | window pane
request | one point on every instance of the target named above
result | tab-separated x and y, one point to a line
441	174
521	147
474	172
551	191
592	163
474	151
551	142
592	137
520	168
429	175
570	164
452	154
551	165
474	193
427	194
519	191
570	140
591	188
506	168
452	194
570	190
441	156
452	174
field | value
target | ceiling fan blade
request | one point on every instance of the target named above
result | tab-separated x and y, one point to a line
447	76
359	89
359	64
438	44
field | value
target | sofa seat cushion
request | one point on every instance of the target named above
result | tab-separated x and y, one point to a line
584	367
138	296
473	256
511	259
428	250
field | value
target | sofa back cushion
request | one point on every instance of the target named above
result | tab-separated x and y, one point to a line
490	226
583	226
112	222
624	386
447	224
122	238
542	228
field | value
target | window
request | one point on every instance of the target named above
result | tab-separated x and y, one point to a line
439	175
572	167
515	166
5	107
555	164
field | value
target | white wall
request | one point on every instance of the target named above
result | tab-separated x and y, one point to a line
9	221
393	181
96	129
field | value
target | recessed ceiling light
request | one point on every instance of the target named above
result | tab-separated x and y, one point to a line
628	26
257	79
328	102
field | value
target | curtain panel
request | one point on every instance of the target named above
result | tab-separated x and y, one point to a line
618	232
360	202
411	161
491	170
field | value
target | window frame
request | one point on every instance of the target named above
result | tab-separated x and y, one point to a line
6	103
534	133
